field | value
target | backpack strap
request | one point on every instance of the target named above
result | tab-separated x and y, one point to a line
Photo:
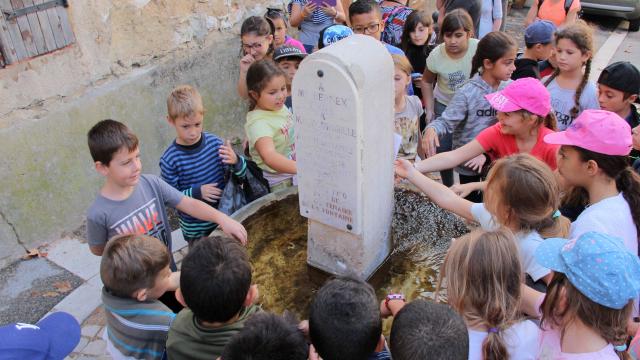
567	6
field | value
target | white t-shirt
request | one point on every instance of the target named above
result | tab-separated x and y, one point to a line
521	340
527	242
562	101
610	216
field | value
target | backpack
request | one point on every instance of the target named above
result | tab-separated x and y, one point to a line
394	24
567	5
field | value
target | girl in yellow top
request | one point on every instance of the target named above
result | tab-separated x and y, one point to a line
269	125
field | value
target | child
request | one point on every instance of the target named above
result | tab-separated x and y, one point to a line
344	321
470	112
483	277
408	110
589	300
569	86
538	40
426	330
256	35
416	43
195	162
593	157
269	126
521	195
135	272
310	18
288	59
490	17
131	202
267	337
216	290
524	118
332	34
618	89
280	37
366	18
450	64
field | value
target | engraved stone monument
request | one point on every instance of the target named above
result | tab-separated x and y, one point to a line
343	107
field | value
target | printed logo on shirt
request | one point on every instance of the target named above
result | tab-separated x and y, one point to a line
456	80
144	220
287	132
491	112
563	119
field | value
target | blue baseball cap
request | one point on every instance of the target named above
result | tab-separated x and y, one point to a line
539	32
332	34
52	338
598	265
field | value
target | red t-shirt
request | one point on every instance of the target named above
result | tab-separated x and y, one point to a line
499	145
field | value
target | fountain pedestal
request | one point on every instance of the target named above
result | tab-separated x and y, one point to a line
343	106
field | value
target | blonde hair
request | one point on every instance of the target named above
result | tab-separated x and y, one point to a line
484	274
183	102
523	190
402	63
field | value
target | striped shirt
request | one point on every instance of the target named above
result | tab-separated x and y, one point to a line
137	329
187	168
317	16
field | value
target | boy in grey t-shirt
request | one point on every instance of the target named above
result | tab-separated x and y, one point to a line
129	202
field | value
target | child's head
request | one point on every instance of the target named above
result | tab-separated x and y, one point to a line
523	194
332	34
574	50
595	282
538	38
456	30
495	56
426	330
256	34
417	29
279	22
483	276
266	336
288	59
114	149
366	18
595	148
185	114
618	87
215	280
135	266
267	85
344	320
402	74
523	106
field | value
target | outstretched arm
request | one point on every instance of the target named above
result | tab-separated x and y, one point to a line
450	159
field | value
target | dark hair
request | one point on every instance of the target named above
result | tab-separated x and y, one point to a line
411	23
266	336
132	262
426	330
215	278
530	45
360	7
275	14
344	320
259	75
492	47
107	137
455	20
261	26
582	36
627	180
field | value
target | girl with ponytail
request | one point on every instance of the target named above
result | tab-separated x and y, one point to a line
482	272
569	85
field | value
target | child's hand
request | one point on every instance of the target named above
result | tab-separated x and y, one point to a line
308	9
246	62
430	142
384	310
227	154
462	190
235	229
403	168
329	10
210	192
476	163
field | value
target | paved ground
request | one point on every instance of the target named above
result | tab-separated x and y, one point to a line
67	278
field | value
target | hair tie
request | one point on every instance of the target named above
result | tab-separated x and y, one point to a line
621	348
556	214
493	330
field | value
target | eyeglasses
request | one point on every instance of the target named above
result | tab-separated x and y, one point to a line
248	47
369	29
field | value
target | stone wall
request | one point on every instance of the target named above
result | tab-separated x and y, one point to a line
128	55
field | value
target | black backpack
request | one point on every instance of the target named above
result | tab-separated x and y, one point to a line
567	5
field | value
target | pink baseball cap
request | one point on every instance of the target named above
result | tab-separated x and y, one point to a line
526	93
600	131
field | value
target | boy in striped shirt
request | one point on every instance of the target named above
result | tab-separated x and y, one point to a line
195	162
